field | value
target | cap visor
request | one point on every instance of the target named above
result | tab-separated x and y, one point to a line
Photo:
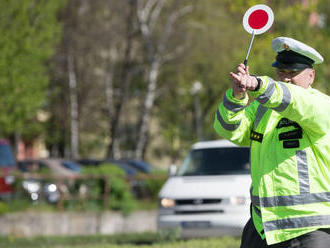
293	67
275	64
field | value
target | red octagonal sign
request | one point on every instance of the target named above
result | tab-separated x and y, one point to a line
258	19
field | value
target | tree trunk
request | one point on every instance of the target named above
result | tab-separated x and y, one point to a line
148	104
114	148
73	108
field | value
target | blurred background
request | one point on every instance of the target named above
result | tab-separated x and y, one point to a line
132	79
92	88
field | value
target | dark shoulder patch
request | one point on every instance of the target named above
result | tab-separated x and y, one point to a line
284	122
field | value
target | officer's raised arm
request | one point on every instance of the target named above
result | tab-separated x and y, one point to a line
234	118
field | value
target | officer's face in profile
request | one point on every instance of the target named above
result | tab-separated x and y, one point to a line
303	78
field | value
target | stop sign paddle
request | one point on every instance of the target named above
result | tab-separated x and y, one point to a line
257	20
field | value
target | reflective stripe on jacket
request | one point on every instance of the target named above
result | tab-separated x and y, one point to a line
288	129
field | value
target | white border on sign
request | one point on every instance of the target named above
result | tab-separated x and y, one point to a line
249	12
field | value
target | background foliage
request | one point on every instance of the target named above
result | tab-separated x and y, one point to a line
121	197
29	30
111	58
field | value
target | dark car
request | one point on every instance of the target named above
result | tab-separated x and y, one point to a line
129	169
90	162
140	165
56	166
71	166
30	165
7	166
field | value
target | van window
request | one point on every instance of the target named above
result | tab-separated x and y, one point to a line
216	161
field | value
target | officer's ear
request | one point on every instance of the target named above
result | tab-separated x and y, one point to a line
311	75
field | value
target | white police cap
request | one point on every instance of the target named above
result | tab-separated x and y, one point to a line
281	44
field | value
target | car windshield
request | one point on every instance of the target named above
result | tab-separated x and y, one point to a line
216	161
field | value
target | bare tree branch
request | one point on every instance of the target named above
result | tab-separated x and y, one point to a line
145	30
155	14
173	55
169	26
148	7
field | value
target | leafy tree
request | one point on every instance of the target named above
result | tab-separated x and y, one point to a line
29	30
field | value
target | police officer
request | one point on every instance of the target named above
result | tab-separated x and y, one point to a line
287	125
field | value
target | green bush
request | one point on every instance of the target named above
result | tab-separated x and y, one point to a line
155	183
121	197
3	208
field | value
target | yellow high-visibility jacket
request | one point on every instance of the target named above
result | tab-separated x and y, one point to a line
288	129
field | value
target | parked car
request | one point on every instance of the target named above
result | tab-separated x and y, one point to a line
209	194
71	166
131	167
89	162
38	188
7	166
139	165
55	166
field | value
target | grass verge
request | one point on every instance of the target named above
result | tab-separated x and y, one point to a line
144	240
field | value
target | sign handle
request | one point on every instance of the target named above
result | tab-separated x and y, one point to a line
249	49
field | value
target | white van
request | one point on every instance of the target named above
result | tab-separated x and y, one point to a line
209	194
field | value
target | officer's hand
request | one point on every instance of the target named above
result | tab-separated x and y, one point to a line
242	81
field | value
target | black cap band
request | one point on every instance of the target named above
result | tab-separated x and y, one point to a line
292	61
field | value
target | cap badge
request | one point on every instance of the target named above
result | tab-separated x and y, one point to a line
286	47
